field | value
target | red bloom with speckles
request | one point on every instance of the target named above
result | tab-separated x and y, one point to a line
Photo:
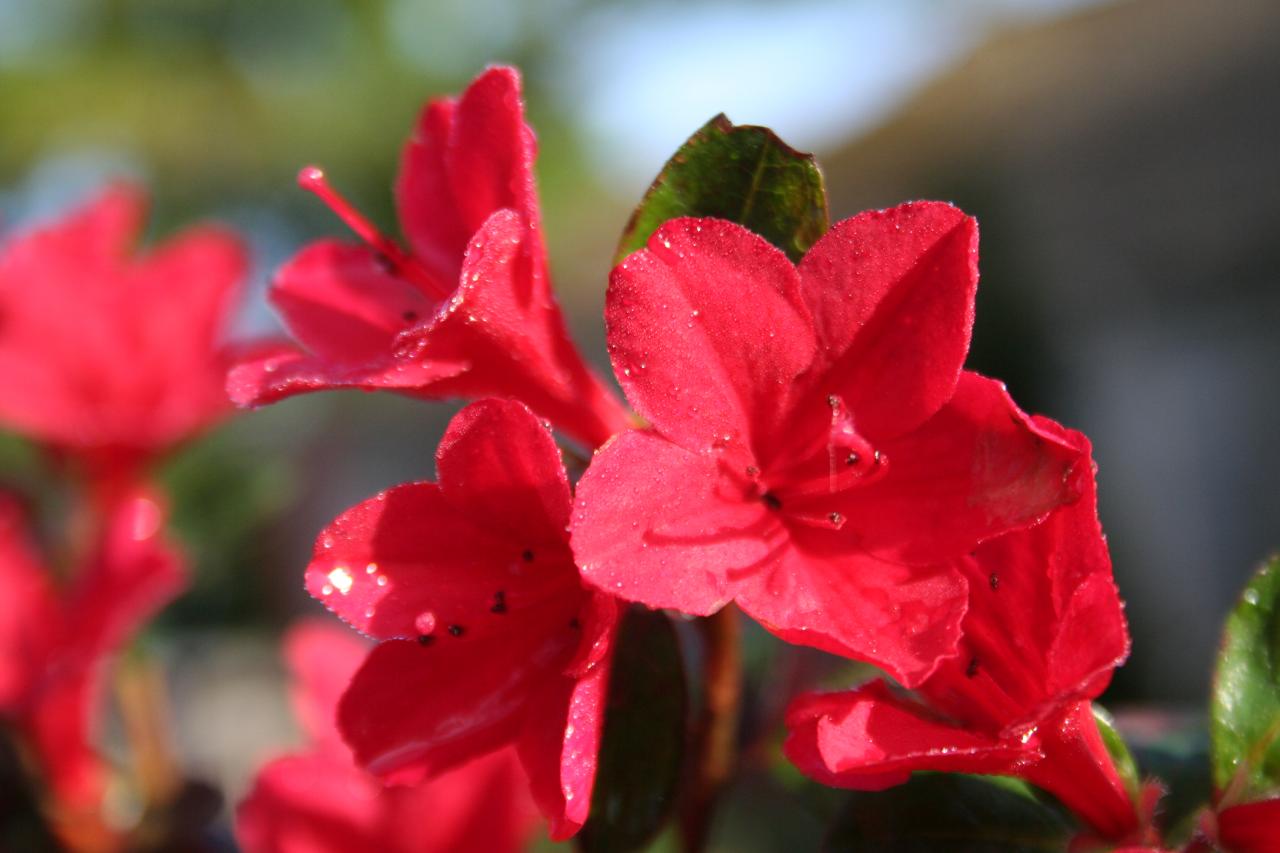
55	644
1043	632
489	636
108	357
320	802
816	452
467	311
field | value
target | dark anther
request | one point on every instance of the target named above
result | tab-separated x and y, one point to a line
771	500
527	555
994	581
574	623
410	316
852	459
457	630
499	602
972	669
425	639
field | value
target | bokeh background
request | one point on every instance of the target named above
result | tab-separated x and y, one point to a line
1123	159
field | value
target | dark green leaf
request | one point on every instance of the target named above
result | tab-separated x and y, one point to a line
1244	717
744	174
952	812
644	737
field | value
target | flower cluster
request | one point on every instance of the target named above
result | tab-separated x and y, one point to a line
799	441
807	445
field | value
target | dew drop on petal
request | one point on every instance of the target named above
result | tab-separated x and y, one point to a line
382	580
425	622
341	579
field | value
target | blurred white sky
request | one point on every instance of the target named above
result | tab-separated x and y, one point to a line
644	77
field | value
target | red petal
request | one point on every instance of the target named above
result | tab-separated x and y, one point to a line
464	162
498	464
900	618
285	372
891	293
323	658
560	745
707	334
341	304
978	468
869	739
664	526
414	711
29	619
1251	828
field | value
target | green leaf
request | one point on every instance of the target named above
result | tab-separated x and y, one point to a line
1118	750
644	737
952	812
1244	716
745	174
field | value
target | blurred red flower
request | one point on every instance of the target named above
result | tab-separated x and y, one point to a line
318	801
1042	634
109	357
468	311
489	636
1251	827
816	452
55	643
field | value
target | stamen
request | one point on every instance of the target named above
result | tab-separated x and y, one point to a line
313	180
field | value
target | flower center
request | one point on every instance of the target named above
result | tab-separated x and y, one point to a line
401	263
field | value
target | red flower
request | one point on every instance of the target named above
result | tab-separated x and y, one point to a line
54	645
489	635
320	802
111	358
1251	828
468	311
816	452
1042	634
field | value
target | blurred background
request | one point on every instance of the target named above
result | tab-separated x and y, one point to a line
1120	156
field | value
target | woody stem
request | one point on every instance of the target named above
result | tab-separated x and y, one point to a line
715	744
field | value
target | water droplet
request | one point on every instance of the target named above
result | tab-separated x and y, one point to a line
327	542
382	580
972	669
371	569
425	622
456	630
368	613
341	579
326	590
994	580
568	730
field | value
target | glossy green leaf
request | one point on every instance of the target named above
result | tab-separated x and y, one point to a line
745	174
1118	750
952	812
1244	717
644	737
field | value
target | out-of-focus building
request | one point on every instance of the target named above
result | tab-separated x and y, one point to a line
1125	166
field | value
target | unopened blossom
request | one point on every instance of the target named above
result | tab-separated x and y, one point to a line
467	309
815	453
1043	631
319	801
489	636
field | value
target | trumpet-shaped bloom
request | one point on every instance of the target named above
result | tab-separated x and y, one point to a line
468	310
816	453
55	644
318	801
107	356
1043	632
488	635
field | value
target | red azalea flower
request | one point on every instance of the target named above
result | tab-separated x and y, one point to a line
489	634
108	357
1251	827
55	645
1042	634
320	802
468	311
816	451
